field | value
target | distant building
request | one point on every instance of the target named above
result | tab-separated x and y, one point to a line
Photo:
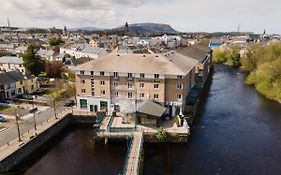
9	63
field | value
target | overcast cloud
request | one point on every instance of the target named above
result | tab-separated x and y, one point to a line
183	15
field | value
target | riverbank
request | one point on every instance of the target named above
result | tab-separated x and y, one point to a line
262	63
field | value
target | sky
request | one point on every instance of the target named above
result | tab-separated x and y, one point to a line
182	15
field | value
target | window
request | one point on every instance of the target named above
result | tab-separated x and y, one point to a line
20	65
116	84
83	91
130	85
156	76
142	75
179	86
101	73
115	74
141	85
20	82
92	73
83	104
19	91
179	96
93	93
116	94
130	75
156	96
179	77
141	95
156	86
32	87
82	72
83	81
102	83
103	105
130	95
103	92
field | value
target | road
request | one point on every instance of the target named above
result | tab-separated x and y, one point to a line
11	133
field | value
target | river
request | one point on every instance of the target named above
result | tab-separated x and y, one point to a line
238	132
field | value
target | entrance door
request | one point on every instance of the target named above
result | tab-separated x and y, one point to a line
91	108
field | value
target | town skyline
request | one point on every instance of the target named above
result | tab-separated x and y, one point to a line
192	16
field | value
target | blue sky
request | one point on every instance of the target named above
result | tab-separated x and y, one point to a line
183	15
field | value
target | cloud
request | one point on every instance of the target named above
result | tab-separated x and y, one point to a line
184	15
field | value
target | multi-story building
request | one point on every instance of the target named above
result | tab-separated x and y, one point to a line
119	81
203	55
8	63
14	83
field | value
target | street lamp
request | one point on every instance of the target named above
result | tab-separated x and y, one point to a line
17	122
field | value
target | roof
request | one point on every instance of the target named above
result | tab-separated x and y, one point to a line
165	64
11	77
197	52
150	108
11	60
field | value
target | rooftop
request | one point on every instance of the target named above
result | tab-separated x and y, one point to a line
11	60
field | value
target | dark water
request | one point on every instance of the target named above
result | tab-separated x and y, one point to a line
238	133
77	154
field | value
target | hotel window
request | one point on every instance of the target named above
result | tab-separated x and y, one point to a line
115	74
130	95
156	86
101	73
82	81
102	92
93	93
179	77
142	75
116	84
92	73
130	75
179	96
141	85
130	85
156	96
179	86
156	76
82	72
102	83
83	91
83	104
116	94
141	95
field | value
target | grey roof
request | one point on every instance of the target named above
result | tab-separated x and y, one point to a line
197	52
165	64
10	59
11	77
150	108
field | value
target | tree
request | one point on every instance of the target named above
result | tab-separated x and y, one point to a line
162	135
31	61
55	41
54	69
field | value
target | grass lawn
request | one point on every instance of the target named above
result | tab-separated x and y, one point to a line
3	108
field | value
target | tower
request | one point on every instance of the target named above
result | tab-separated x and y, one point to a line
126	27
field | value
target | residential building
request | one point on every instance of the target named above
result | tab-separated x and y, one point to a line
119	81
14	83
9	63
203	55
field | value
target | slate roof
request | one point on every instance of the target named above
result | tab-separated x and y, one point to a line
150	108
197	52
11	77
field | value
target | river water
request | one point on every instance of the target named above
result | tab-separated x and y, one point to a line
238	132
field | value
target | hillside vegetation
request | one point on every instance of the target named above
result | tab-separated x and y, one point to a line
262	62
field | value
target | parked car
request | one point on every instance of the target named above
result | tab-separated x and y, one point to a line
2	118
32	110
69	103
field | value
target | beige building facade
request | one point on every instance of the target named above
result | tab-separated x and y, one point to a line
119	82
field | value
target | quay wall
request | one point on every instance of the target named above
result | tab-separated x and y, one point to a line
35	143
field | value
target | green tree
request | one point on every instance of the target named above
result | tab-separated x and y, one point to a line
31	61
161	135
55	41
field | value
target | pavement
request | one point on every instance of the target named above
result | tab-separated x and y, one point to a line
26	123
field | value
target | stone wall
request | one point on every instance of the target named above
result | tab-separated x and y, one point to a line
34	144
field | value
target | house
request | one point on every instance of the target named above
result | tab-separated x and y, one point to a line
79	50
203	55
118	82
11	63
14	83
